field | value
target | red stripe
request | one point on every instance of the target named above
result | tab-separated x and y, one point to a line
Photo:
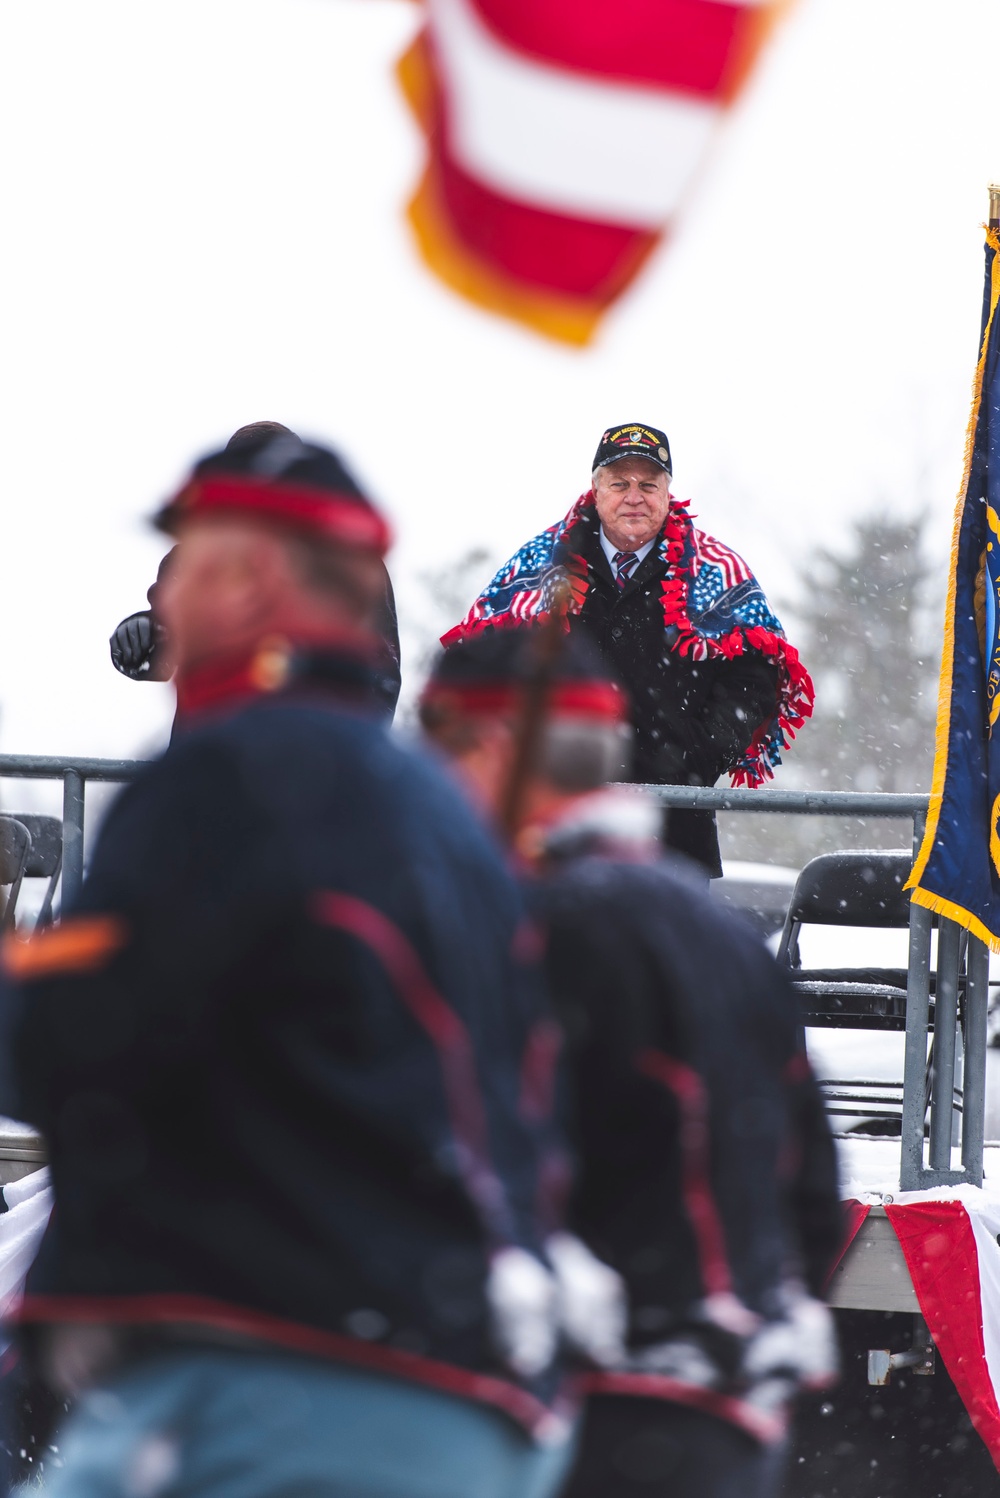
696	1187
341	517
537	249
447	1033
697	46
200	1310
797	1069
940	1250
596	699
758	1423
538	1071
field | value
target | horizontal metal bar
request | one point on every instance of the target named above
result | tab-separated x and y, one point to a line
818	803
54	767
857	1082
699	797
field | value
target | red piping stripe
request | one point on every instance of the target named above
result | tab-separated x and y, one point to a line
199	1310
769	1429
447	1033
538	1071
692	1103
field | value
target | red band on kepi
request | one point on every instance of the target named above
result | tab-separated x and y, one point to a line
275	476
336	517
583	699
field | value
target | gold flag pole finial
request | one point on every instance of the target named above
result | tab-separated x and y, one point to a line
995	205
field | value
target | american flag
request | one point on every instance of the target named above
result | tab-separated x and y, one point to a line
564	137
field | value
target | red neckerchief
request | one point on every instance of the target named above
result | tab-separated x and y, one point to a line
227	681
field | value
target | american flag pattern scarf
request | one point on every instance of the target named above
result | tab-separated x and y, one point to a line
712	606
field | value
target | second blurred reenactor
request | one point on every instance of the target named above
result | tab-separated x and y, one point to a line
277	1050
707	1176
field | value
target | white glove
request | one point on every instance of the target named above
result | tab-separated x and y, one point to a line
593	1309
522	1297
801	1347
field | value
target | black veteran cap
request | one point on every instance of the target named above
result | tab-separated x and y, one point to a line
634	441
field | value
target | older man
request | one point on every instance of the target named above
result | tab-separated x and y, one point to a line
714	684
277	1050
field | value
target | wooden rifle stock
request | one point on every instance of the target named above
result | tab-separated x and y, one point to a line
549	640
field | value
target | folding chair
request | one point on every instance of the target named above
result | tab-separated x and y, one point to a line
44	857
856	888
15	850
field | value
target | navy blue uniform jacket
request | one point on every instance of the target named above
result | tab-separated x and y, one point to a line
276	1051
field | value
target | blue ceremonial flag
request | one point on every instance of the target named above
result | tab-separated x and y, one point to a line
957	872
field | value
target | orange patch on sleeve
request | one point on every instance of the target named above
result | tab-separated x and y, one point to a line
80	945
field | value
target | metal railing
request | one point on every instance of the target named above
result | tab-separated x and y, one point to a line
74	774
924	1162
960	956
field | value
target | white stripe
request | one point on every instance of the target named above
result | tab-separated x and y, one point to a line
985	1226
556	140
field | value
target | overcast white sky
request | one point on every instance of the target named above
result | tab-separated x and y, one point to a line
202	205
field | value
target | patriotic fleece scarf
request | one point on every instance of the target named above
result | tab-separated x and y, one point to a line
712	606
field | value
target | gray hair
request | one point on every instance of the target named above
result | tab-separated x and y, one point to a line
581	754
593	477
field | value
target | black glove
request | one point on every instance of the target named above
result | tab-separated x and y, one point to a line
133	645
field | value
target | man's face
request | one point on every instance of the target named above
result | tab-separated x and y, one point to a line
220	590
633	496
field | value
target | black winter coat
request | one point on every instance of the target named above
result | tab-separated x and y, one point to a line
692	719
276	1052
705	1162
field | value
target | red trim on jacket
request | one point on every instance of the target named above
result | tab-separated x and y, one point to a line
696	1187
178	1310
538	1071
447	1033
764	1427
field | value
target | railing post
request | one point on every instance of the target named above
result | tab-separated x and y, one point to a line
918	988
945	1027
974	1094
915	1060
72	866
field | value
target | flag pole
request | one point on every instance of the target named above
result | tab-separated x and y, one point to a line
995	205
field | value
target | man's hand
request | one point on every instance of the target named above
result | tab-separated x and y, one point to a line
132	645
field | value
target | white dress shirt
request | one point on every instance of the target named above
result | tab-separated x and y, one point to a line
610	551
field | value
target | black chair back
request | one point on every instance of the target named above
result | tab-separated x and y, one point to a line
45	857
15	850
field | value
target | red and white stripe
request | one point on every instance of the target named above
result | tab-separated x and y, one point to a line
950	1243
565	137
733	568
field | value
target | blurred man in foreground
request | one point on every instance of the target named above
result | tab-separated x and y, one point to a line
707	1176
276	1050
